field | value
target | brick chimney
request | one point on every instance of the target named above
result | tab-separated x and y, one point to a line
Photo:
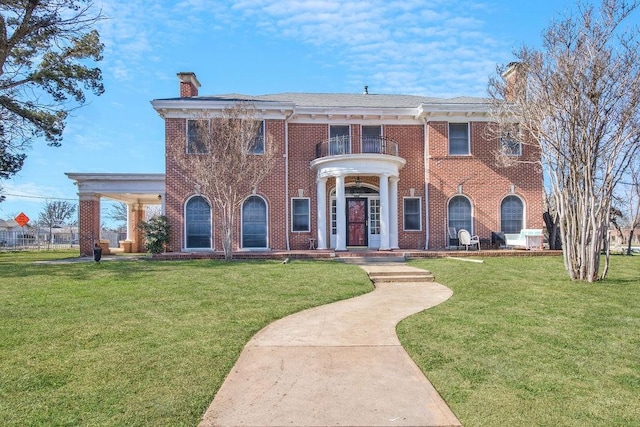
515	80
189	84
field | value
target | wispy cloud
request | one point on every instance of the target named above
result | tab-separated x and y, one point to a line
394	46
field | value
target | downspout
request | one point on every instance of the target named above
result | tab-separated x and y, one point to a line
286	177
426	184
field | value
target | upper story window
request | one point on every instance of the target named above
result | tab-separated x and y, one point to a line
339	140
459	139
258	145
510	144
372	139
197	132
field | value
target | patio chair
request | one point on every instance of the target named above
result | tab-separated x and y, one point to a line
466	239
453	238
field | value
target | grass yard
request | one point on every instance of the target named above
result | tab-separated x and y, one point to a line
519	344
139	343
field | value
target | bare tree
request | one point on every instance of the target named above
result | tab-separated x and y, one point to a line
118	213
223	163
55	213
579	97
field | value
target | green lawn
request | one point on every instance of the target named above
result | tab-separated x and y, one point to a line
139	343
519	344
144	343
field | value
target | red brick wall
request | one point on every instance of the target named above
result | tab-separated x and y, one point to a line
89	220
179	190
483	182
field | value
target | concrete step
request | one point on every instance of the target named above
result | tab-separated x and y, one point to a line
401	278
402	273
370	259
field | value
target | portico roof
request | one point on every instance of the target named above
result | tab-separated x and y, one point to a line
145	188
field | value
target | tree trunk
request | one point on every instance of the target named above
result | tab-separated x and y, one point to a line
630	241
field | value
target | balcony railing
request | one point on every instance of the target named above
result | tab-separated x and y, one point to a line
341	145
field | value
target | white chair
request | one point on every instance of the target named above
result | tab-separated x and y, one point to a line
466	239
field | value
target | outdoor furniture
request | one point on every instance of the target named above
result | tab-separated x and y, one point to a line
466	239
312	243
453	237
528	238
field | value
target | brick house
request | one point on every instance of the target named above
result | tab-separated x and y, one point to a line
357	170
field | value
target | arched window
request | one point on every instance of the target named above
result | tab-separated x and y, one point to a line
254	223
198	223
511	213
460	213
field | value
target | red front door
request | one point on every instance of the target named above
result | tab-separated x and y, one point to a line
357	222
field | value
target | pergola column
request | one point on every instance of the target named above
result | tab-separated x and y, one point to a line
341	215
321	189
88	222
384	212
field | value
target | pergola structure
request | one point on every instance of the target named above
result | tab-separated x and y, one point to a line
136	190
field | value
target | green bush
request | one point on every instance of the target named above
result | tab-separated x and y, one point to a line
156	233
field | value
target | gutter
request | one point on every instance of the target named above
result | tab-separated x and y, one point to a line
286	177
426	184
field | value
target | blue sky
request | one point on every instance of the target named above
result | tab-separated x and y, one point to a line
418	47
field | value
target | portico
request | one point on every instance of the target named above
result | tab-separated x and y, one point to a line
356	215
136	190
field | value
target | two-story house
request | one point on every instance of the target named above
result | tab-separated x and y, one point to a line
356	170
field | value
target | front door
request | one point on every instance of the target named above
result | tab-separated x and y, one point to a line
357	222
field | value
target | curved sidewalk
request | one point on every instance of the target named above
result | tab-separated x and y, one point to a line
336	365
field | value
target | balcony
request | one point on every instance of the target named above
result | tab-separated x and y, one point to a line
341	145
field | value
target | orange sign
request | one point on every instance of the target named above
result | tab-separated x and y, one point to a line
22	219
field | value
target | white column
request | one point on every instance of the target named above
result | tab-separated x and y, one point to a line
393	212
384	212
321	189
130	226
341	215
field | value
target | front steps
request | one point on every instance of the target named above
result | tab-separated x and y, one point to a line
399	276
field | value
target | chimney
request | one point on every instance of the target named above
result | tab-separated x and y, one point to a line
515	79
189	84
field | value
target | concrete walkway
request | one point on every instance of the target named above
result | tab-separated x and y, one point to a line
336	365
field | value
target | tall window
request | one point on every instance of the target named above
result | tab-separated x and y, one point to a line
300	214
511	214
254	223
459	138
372	139
339	140
460	213
258	146
196	136
198	223
412	214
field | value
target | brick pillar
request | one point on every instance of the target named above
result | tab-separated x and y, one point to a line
89	223
136	214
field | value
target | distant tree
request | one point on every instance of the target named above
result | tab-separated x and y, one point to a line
630	200
222	163
55	213
579	98
45	51
118	213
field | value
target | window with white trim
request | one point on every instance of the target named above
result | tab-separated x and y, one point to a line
334	218
412	214
459	139
258	145
197	133
459	211
254	223
300	214
510	143
374	216
511	215
198	223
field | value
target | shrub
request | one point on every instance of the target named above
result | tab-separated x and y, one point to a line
156	233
